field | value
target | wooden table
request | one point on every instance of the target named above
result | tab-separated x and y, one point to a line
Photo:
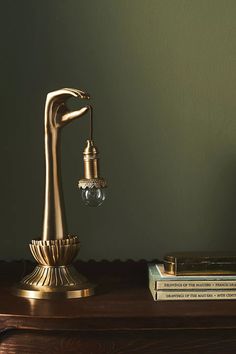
121	319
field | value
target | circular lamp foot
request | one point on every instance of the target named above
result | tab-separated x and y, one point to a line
51	282
44	292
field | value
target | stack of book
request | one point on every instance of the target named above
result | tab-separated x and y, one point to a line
164	286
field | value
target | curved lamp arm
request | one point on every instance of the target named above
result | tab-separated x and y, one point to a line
57	115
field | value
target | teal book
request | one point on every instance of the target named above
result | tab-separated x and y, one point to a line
170	287
161	280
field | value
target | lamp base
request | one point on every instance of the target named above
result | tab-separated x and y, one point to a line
51	282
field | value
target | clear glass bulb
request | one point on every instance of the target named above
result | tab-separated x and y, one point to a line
93	197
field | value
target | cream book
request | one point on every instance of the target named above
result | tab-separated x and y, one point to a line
159	280
162	295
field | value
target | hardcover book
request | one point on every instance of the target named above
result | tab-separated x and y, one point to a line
169	287
193	295
163	281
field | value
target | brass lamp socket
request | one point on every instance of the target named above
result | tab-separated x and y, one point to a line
91	168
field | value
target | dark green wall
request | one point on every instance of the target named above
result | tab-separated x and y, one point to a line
163	79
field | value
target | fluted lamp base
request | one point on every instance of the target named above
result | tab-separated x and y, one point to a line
54	282
51	279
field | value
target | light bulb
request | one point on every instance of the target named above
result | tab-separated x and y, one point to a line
93	197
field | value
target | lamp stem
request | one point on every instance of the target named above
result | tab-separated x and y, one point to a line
54	224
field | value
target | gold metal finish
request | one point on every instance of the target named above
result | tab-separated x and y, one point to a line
55	276
54	282
91	160
56	117
200	263
55	252
92	183
91	168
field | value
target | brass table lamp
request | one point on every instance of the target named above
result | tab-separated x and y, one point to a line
55	276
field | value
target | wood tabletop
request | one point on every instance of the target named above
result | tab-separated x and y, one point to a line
122	302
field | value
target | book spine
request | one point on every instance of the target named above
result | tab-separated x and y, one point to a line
192	284
194	295
153	292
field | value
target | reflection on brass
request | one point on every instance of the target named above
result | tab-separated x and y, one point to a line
55	252
91	168
204	263
91	161
62	282
54	276
92	183
55	118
